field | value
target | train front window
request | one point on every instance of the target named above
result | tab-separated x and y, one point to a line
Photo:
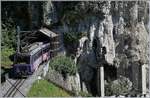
23	60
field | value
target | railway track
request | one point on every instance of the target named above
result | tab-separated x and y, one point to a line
14	88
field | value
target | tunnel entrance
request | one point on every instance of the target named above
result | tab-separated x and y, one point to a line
110	72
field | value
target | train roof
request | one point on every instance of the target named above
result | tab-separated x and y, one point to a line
47	32
37	49
32	52
31	46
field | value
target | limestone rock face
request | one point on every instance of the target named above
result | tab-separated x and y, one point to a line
49	13
124	35
108	40
117	35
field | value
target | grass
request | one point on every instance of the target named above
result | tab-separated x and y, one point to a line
43	88
5	60
84	94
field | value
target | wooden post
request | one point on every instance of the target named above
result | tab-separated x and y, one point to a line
144	79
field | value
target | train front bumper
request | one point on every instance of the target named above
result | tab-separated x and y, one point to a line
22	70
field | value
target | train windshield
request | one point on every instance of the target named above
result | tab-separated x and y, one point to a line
23	60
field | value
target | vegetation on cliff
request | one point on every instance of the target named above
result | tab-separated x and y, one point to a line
64	65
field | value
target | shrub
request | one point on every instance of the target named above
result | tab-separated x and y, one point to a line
121	86
73	37
8	42
63	64
6	53
8	34
71	41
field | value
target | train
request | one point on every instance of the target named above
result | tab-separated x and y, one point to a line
28	57
27	62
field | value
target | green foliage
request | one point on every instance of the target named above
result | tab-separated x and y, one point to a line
8	42
118	87
72	37
8	35
42	88
5	54
63	64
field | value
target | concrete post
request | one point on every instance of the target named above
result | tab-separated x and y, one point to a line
100	83
102	80
143	79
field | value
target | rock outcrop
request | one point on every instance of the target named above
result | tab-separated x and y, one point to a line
122	31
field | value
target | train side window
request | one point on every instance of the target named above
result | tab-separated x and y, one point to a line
46	49
31	59
35	56
39	53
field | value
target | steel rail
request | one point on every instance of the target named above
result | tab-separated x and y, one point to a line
14	88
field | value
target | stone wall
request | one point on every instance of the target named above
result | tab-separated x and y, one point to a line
69	83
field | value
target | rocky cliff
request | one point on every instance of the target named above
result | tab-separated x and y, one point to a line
118	29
